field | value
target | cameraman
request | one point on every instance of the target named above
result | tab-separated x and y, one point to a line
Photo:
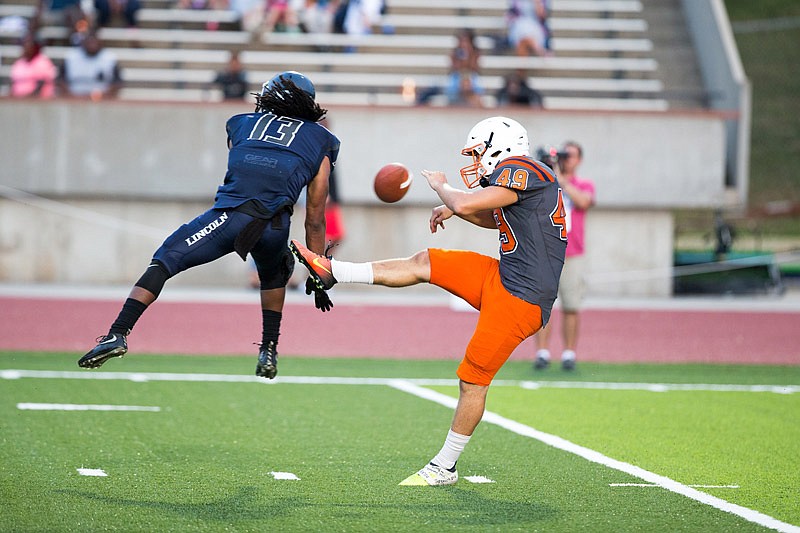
579	196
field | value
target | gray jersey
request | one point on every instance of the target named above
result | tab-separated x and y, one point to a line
533	231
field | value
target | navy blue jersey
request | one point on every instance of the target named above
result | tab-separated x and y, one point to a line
271	159
533	233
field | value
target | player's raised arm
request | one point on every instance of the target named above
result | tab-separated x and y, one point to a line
473	206
316	197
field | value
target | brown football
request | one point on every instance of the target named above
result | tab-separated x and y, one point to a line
392	182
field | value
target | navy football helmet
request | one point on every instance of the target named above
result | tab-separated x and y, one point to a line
302	83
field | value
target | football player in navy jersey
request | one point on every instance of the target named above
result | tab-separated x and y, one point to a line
519	197
274	153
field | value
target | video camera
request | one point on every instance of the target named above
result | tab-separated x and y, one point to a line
551	156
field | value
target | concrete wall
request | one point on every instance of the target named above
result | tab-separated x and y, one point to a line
91	189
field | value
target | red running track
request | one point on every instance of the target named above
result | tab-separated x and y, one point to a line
608	335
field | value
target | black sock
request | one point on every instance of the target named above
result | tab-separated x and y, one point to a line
271	321
130	313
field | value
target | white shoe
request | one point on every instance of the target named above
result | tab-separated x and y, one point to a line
431	474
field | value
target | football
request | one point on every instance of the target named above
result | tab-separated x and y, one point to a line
392	182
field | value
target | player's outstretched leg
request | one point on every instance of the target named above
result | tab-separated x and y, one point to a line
108	346
432	474
319	267
267	366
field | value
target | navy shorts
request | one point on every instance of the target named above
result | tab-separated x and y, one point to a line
211	236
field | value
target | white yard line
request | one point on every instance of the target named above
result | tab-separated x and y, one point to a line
653	485
596	457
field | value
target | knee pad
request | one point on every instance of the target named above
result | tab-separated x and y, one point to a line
280	277
154	278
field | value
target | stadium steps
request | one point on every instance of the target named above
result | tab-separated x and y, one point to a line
673	51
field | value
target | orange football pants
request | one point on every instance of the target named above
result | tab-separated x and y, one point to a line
504	320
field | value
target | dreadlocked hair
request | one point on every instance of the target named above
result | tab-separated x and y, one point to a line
285	99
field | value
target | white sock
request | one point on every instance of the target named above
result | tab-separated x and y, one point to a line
544	353
345	272
568	355
453	446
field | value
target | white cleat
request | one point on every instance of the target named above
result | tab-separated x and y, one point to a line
430	475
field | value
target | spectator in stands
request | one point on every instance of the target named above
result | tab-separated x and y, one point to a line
66	13
202	4
250	13
33	75
463	79
516	91
232	80
89	70
578	196
528	32
361	16
105	9
467	94
280	15
317	16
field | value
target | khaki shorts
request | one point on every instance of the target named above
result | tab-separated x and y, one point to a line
572	286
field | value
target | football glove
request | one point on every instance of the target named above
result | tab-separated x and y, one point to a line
321	299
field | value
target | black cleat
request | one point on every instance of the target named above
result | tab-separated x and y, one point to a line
267	366
568	365
541	363
108	346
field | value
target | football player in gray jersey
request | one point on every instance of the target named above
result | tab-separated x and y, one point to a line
514	294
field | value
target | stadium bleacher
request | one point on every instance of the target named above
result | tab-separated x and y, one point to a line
602	54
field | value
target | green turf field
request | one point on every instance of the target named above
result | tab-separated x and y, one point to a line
582	453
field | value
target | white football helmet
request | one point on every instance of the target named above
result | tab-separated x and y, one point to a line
489	142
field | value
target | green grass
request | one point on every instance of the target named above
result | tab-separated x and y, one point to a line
203	462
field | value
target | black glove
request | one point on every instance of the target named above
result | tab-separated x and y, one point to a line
321	299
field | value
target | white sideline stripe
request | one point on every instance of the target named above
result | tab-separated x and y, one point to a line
144	377
652	485
659	387
596	457
79	407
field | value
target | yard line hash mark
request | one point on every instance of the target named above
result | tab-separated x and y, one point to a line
284	475
478	479
81	407
92	472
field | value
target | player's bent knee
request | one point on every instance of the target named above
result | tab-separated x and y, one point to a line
279	277
421	262
154	278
